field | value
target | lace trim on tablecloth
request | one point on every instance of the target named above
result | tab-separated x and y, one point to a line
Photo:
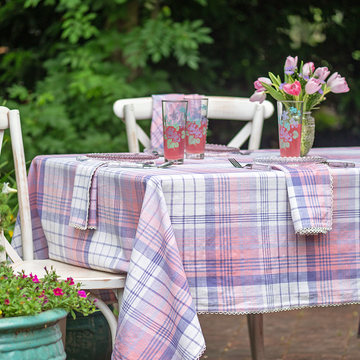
272	310
201	353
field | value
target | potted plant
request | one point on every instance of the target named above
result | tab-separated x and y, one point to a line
30	309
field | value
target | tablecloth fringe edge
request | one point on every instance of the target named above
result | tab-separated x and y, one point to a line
201	353
272	310
313	231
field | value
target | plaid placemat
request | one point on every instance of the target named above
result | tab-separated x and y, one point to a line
83	204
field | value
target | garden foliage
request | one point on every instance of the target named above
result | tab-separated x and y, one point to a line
63	63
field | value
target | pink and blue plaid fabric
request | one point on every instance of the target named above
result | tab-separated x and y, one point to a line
200	237
310	197
156	129
83	204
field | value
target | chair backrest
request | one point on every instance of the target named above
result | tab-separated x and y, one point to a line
220	107
10	119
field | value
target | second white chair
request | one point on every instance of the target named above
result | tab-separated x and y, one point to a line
220	107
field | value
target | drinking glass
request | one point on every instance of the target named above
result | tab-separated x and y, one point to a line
174	120
289	120
196	127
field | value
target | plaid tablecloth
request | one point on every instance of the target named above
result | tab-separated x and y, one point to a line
200	237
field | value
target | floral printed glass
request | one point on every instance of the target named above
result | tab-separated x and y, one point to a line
196	127
289	121
174	120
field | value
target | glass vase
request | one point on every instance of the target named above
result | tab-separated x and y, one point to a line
307	133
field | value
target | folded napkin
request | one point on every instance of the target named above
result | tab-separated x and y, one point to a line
310	195
156	130
83	203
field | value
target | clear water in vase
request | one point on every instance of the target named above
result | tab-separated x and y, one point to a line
307	133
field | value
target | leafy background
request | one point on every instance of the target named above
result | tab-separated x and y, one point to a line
63	63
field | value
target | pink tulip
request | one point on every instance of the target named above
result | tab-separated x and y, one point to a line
322	73
258	85
258	96
308	69
293	89
290	65
337	84
312	86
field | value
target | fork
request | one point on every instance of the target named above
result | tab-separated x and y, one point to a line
236	164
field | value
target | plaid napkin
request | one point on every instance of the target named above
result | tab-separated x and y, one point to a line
156	130
83	203
310	196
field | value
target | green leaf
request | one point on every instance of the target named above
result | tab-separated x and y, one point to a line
276	95
274	79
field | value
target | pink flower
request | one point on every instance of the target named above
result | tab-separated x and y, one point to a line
7	301
258	86
322	73
293	89
35	279
308	69
312	86
24	276
82	293
337	84
58	292
258	96
290	65
70	281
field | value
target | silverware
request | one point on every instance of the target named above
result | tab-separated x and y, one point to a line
82	158
236	164
340	164
145	165
245	152
165	165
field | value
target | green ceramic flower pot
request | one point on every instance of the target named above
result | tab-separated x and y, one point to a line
36	337
88	337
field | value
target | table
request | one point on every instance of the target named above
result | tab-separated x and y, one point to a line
203	237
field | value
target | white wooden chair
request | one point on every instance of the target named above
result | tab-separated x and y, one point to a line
90	279
220	107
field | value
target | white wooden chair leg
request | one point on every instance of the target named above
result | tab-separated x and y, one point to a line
256	334
109	316
119	294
